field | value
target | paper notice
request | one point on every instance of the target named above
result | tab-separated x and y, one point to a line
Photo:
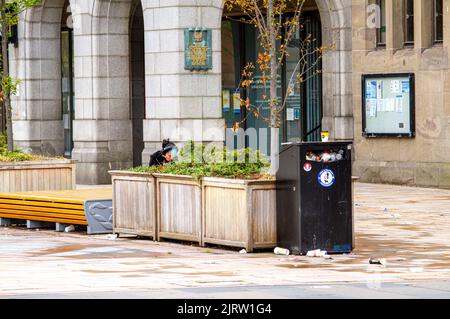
371	89
371	105
405	86
290	114
226	97
237	102
381	107
390	105
379	89
296	113
395	86
399	104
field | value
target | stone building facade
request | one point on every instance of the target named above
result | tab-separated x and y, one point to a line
125	87
415	39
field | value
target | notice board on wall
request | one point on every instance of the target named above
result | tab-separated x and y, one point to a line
388	105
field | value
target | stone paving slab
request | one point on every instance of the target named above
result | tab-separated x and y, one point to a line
436	290
407	226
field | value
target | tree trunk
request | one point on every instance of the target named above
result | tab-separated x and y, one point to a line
274	107
7	95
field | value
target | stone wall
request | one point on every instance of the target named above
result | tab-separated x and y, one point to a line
180	104
337	68
423	160
102	125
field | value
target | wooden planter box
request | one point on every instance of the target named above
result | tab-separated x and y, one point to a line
229	212
51	175
179	207
239	213
134	203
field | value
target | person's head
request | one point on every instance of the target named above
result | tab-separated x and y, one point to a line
167	143
169	151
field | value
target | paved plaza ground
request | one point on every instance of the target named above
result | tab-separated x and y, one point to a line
409	227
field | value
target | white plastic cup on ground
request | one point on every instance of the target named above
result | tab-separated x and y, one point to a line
69	229
281	251
314	253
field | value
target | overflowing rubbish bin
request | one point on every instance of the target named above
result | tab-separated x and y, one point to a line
314	197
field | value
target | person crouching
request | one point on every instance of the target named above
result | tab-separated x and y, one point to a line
166	155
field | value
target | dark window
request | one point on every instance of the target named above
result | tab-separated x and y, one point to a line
67	78
381	30
409	22
438	21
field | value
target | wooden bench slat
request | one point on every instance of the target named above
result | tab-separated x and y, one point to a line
42	209
41	204
45	219
40	214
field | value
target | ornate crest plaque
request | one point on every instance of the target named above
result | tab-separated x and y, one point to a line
198	49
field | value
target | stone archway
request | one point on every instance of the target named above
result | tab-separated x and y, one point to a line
336	20
37	118
102	125
102	128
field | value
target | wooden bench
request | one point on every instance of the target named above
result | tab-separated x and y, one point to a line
90	207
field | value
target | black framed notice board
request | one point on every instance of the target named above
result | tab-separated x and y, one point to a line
388	105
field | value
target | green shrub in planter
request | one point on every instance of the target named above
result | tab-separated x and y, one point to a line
16	156
197	160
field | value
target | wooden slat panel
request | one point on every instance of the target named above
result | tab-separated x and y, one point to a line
241	214
35	183
12	180
66	180
4	181
225	214
46	180
23	179
29	186
36	176
134	206
41	179
264	216
180	209
55	175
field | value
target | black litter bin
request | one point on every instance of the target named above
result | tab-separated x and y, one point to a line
314	197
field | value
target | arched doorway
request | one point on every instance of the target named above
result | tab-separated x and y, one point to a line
67	78
137	80
302	117
39	110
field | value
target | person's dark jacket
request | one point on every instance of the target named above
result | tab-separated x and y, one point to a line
157	159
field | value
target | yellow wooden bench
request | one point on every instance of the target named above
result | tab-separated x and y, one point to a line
90	207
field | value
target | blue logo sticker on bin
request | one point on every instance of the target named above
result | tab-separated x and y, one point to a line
326	178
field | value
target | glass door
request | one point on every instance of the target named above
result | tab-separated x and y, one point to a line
293	128
312	87
303	116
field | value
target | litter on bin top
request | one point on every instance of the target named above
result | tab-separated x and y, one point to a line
326	156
